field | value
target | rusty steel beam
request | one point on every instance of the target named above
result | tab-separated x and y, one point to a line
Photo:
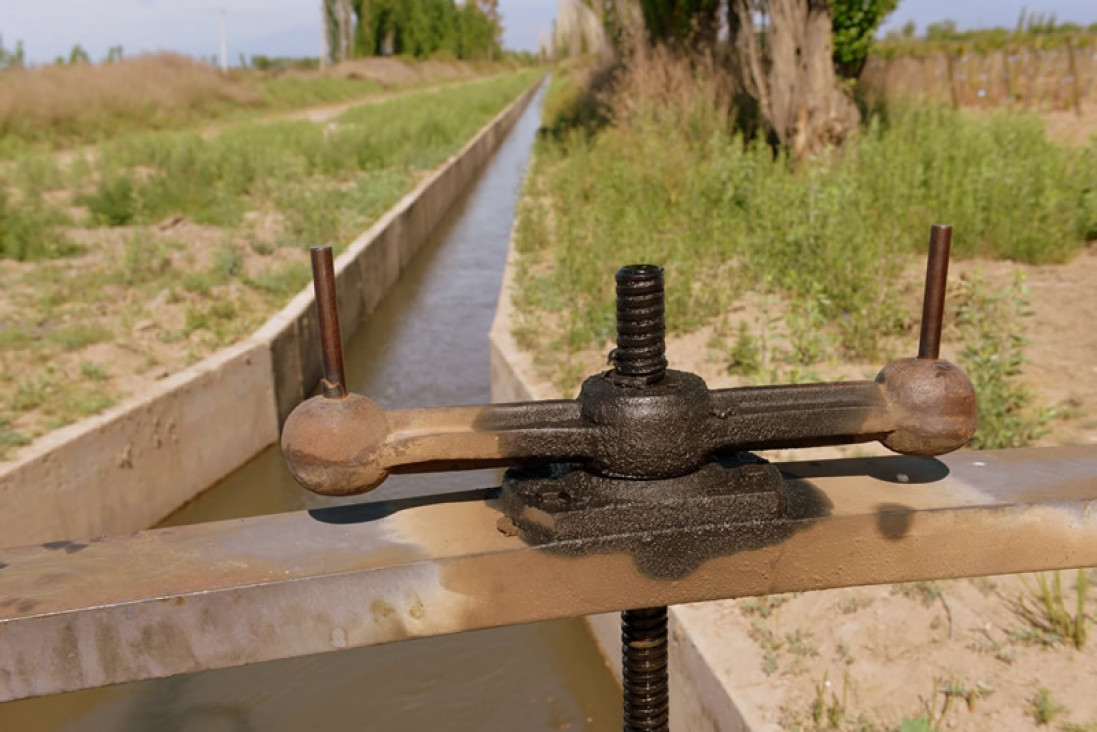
81	614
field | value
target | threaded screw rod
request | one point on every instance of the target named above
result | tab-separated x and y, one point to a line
640	356
644	678
638	361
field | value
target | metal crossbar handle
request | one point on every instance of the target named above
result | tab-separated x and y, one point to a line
82	614
640	420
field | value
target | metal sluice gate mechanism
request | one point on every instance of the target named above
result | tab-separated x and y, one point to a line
646	461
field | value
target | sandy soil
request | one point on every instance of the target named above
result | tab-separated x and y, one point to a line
1070	126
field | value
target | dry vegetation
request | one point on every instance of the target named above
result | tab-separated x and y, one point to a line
85	100
58	106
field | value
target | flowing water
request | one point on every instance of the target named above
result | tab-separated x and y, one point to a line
425	345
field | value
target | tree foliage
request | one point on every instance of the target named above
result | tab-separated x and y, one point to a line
855	23
681	20
414	28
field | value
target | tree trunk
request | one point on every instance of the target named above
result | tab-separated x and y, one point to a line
787	66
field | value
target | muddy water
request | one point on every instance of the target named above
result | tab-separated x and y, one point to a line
425	345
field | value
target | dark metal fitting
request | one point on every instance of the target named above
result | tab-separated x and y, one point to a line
670	527
659	431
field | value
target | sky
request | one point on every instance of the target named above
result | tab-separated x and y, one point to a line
49	28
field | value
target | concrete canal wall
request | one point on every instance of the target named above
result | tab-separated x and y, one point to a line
130	467
703	661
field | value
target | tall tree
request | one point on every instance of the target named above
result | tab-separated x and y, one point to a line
786	54
786	63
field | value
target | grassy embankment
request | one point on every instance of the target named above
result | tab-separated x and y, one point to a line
824	251
167	246
797	272
53	107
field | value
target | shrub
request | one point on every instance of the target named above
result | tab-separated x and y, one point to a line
114	202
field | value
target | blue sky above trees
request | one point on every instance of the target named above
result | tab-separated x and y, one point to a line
292	27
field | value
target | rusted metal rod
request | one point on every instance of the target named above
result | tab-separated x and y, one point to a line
933	305
333	384
87	613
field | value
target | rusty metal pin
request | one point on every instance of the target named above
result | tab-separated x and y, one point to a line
333	383
933	305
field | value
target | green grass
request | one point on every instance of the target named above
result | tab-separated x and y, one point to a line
724	216
78	335
31	229
214	180
292	92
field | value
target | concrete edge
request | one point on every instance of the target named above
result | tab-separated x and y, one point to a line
700	698
136	463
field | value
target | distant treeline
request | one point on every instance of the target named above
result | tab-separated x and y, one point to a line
359	28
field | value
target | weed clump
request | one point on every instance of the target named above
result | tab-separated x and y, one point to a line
1050	620
991	323
1044	709
30	231
114	202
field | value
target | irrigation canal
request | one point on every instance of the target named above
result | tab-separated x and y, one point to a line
426	344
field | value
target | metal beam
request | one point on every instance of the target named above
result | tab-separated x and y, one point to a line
81	614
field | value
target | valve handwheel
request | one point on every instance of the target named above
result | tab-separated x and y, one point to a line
643	452
639	420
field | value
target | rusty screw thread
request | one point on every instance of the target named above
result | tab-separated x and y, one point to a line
644	670
640	356
933	305
640	360
333	383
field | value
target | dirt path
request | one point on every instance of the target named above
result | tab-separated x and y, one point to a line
319	113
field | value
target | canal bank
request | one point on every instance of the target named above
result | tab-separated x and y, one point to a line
135	464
